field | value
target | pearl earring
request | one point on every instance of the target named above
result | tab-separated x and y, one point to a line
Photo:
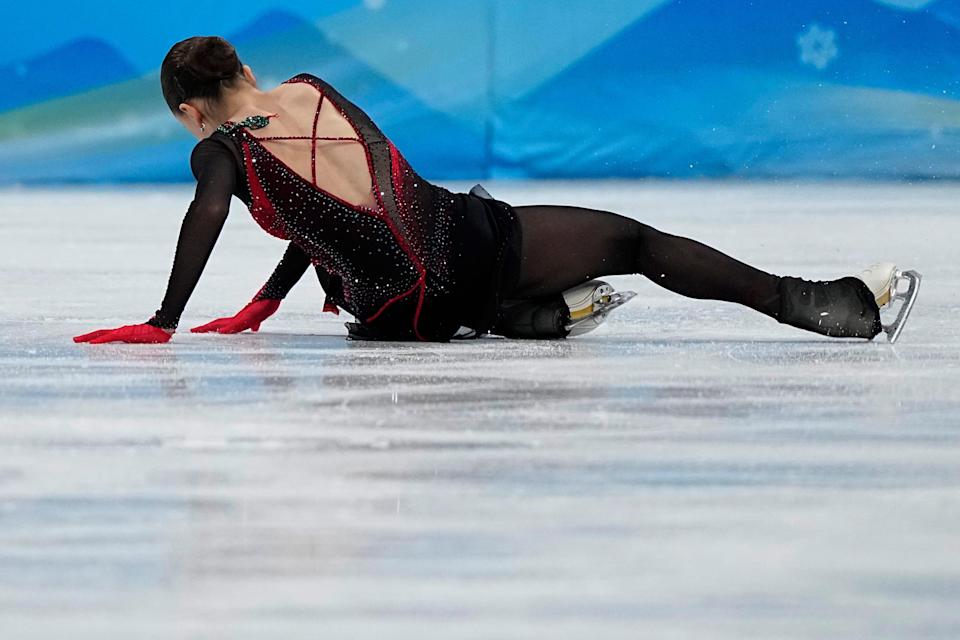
203	127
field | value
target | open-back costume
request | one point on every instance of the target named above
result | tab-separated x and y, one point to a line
419	265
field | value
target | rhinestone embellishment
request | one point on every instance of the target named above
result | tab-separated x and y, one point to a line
250	122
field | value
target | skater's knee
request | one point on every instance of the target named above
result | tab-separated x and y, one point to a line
646	234
644	241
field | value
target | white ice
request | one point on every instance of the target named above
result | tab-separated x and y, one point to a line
690	470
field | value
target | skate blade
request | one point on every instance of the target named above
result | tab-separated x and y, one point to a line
908	297
601	308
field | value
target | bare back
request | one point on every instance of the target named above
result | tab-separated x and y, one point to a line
314	139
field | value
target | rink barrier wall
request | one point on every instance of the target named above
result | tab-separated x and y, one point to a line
658	88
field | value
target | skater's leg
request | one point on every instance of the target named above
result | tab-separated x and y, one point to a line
564	246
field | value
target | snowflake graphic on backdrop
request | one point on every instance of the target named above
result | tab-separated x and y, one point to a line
818	46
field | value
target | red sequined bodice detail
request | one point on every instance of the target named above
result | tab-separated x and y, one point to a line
396	252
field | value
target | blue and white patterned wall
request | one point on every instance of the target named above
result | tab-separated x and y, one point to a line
469	89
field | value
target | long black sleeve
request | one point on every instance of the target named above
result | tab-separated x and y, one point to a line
291	268
215	169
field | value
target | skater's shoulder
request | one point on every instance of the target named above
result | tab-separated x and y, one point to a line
217	148
306	77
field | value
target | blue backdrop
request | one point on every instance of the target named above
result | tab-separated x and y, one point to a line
469	89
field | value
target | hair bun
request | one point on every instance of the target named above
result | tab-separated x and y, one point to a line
212	59
198	67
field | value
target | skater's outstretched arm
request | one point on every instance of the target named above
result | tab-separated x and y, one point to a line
215	169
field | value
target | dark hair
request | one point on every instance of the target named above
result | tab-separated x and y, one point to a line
198	67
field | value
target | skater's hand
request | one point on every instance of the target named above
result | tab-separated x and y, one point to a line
132	333
249	317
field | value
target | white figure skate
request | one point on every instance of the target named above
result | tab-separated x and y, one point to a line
889	285
590	303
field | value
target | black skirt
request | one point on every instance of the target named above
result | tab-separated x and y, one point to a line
490	260
486	265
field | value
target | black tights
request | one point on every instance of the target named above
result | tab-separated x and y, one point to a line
564	246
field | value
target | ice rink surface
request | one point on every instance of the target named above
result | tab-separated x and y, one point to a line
689	470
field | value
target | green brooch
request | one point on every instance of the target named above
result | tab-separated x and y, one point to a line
250	122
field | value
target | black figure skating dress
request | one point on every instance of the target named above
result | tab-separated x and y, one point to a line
419	265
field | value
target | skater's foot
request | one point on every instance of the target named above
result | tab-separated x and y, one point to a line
844	308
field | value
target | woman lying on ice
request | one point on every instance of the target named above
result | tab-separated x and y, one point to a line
413	261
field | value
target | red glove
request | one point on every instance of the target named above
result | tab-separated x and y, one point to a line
249	317
132	333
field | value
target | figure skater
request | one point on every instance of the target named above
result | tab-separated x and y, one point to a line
410	260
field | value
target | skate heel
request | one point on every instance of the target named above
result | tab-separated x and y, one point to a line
889	286
590	303
904	290
880	278
561	315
